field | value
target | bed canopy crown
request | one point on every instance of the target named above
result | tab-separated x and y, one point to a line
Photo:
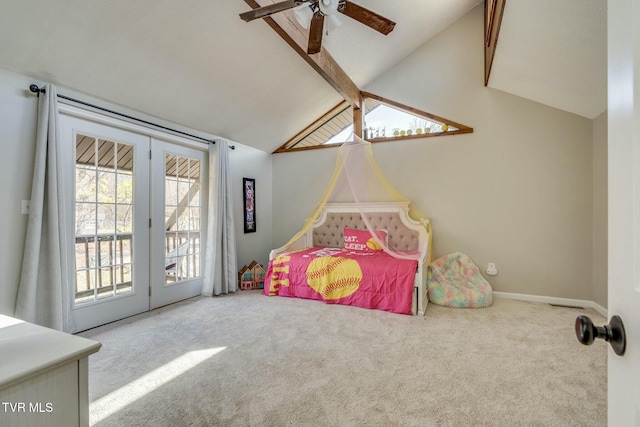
358	181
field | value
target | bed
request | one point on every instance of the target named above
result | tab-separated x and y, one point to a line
319	266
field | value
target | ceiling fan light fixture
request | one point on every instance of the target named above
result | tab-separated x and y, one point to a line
303	14
333	22
328	7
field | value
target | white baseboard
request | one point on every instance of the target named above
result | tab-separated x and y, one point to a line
554	300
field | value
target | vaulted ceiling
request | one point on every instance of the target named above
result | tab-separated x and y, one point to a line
555	53
197	64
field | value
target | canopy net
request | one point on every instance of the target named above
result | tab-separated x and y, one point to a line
357	179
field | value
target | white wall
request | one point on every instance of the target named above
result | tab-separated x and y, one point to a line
299	180
600	209
18	114
247	162
517	191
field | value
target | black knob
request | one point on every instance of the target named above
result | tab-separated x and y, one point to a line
35	89
613	333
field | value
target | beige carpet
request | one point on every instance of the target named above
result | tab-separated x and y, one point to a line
250	360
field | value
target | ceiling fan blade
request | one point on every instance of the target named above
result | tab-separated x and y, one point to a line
368	17
261	12
315	34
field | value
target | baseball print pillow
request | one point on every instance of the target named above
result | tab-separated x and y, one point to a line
362	240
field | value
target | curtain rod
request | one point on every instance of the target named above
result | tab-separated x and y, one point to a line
35	89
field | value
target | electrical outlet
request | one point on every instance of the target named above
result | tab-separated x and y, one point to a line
491	269
25	207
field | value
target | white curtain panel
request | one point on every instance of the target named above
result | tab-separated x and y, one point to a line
43	293
220	269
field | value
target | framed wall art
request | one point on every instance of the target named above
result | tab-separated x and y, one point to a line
249	195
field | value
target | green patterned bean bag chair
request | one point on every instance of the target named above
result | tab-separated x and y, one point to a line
454	281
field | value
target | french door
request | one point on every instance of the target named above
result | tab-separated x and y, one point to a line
178	180
137	210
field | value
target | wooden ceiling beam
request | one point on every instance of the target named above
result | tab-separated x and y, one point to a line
493	10
287	27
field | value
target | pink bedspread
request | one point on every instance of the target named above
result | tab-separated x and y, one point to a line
336	276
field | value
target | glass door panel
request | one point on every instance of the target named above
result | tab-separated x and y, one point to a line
182	218
180	208
104	219
109	181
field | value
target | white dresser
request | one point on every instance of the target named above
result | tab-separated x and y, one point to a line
43	376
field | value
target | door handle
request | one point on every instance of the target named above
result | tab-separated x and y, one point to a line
613	333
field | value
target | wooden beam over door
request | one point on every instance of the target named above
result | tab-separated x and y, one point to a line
286	25
493	10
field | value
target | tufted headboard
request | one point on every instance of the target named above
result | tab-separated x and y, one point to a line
330	233
404	233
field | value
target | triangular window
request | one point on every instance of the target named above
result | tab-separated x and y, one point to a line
384	120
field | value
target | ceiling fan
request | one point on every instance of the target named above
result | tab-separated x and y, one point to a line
311	14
